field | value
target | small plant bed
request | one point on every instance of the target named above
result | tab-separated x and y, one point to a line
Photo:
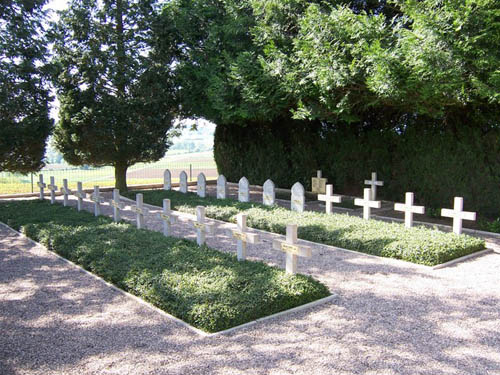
206	288
418	245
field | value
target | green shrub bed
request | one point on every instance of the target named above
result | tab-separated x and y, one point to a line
418	245
206	288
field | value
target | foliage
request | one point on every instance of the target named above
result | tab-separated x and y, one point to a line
24	94
206	288
418	244
490	226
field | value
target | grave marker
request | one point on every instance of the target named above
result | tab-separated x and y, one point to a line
183	182
167	180
66	192
53	188
374	183
139	210
202	227
318	184
167	217
458	214
329	198
80	195
243	236
269	193
298	197
97	198
201	185
409	209
117	205
367	203
291	248
244	190
42	186
221	187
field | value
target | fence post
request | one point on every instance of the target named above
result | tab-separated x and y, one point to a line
190	172
31	182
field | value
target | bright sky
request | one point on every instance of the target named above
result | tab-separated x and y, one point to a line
57	4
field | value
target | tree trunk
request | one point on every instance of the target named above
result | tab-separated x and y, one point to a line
121	177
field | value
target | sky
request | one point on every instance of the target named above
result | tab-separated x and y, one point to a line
57	4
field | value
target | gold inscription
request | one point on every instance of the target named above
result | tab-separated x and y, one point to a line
288	248
240	236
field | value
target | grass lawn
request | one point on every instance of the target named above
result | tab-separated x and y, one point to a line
418	245
206	288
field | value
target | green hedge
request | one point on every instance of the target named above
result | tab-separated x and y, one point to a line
418	245
207	288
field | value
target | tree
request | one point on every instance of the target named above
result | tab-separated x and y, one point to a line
116	92
24	92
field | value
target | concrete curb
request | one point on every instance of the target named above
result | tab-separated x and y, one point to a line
462	259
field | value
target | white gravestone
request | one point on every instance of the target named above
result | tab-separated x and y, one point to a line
329	198
80	196
167	180
269	193
66	192
53	188
117	205
243	236
202	227
374	183
168	217
458	214
41	185
298	197
139	210
409	209
183	182
291	248
244	190
367	203
201	185
221	187
318	184
97	198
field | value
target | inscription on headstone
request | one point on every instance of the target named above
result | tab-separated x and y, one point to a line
269	193
244	190
221	187
183	184
298	198
201	185
167	180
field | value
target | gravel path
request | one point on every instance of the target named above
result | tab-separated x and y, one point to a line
390	317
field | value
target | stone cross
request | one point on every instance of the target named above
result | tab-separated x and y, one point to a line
374	183
167	217
117	205
53	188
244	190
367	203
167	180
291	248
139	210
298	197
221	187
329	198
66	191
318	184
80	195
243	236
409	209
183	182
97	198
269	193
201	185
202	227
458	214
41	185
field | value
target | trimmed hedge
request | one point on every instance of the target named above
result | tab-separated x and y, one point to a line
206	288
417	245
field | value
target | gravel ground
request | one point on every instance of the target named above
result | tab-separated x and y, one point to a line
390	317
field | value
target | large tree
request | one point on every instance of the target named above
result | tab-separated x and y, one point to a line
24	93
115	90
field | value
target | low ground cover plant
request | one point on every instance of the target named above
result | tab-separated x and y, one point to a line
206	288
418	245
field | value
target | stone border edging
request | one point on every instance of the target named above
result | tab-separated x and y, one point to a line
461	259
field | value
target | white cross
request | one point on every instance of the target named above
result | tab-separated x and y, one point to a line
202	227
329	198
140	210
319	174
243	236
41	185
53	188
80	195
458	214
409	209
97	198
117	205
167	217
374	183
367	203
66	191
292	250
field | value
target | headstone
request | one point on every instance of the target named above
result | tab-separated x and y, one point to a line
183	182
41	185
167	217
201	185
298	198
269	193
374	183
367	203
117	205
97	198
221	187
202	227
139	210
318	184
244	190
80	195
458	214
329	198
53	188
66	192
409	209
243	236
291	248
167	180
